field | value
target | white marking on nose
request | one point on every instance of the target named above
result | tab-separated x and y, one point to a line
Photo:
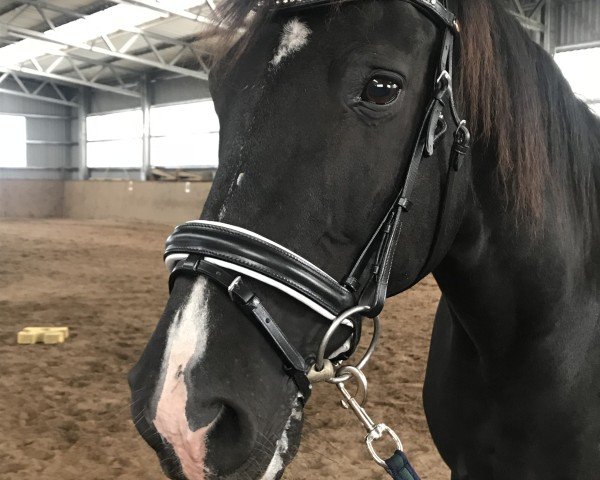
186	345
276	464
295	36
222	212
239	179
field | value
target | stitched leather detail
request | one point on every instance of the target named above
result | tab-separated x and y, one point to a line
436	11
261	269
256	254
273	246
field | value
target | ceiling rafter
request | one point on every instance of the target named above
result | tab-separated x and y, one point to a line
171	11
81	81
46	91
121	45
157	63
526	13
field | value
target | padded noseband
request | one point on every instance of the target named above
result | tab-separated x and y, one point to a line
249	253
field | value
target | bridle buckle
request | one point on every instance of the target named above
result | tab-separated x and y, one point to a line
443	82
232	286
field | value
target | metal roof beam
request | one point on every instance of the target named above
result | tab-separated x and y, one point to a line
519	7
161	65
71	80
527	22
53	8
9	8
19	89
171	11
537	7
578	46
43	5
18	93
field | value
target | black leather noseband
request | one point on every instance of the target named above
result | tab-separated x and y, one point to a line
215	250
260	255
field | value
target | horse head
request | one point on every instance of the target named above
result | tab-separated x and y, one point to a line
320	111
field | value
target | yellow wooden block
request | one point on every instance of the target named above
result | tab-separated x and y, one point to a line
48	335
54	337
25	338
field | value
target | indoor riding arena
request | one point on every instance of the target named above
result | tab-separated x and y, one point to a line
108	140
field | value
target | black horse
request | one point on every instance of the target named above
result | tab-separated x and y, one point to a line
319	111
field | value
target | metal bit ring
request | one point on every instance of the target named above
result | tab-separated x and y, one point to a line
366	357
320	361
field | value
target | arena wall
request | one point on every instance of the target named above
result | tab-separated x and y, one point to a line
168	202
31	198
141	201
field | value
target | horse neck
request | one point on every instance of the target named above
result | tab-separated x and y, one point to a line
504	277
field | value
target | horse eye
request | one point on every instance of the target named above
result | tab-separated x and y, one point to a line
381	90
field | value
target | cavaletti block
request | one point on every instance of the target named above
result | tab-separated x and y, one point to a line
47	335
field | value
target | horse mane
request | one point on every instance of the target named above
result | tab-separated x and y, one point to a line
519	106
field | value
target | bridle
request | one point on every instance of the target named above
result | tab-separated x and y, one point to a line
226	254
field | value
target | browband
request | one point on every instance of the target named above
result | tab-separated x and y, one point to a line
435	9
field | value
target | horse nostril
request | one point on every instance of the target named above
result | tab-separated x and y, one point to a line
230	439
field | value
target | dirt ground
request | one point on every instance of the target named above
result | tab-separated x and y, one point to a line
64	409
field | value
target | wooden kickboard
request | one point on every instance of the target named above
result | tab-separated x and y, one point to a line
47	335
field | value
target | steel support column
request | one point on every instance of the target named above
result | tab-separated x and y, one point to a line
145	103
82	112
550	26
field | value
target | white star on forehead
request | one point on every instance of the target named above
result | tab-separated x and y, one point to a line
295	36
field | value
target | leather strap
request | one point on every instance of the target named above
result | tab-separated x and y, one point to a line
378	255
247	300
434	9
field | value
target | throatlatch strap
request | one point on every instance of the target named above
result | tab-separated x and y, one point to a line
400	468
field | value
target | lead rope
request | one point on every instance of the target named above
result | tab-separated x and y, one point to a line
323	370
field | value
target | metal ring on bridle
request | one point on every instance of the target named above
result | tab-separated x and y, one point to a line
367	355
320	361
